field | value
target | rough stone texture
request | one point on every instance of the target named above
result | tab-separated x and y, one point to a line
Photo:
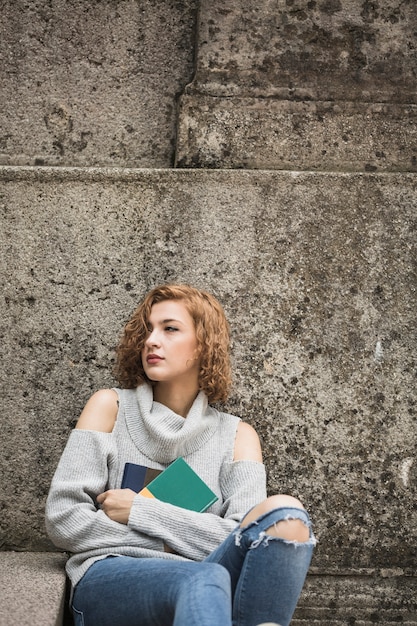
93	83
350	50
297	84
317	274
365	599
252	134
32	589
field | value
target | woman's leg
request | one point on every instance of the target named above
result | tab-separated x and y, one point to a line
268	557
152	592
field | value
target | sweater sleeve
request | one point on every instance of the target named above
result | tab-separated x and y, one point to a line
195	535
73	521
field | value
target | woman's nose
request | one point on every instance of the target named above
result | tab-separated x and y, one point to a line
152	339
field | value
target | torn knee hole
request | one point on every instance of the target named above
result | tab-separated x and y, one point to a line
290	529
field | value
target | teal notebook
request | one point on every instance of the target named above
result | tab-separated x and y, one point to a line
180	485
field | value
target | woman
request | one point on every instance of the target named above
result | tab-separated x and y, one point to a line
144	562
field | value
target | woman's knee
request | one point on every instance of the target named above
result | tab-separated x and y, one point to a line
212	574
273	502
291	528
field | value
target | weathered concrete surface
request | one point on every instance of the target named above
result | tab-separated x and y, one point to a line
32	589
353	50
250	133
360	599
93	83
317	274
302	85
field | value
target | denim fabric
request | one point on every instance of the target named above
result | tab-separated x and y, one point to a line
267	573
127	591
256	576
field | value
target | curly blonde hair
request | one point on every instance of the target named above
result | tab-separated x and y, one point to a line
212	333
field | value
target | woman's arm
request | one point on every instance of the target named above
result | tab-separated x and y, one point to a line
74	521
100	412
247	444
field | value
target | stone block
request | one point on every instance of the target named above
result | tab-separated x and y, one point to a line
302	85
268	133
307	50
93	83
362	598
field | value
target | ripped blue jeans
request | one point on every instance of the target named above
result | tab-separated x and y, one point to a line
252	577
267	573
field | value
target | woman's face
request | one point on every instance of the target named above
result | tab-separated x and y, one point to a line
170	353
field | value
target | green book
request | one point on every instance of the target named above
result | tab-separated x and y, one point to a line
180	485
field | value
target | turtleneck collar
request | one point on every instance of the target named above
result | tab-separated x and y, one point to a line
163	435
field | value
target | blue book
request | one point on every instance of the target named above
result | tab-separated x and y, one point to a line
136	477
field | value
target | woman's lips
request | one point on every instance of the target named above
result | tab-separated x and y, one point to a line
153	358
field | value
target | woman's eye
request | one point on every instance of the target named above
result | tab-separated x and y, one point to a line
171	329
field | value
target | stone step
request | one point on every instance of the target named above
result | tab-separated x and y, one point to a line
32	588
360	598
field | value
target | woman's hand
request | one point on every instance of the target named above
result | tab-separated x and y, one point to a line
116	503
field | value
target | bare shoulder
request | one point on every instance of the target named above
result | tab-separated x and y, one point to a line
247	444
100	412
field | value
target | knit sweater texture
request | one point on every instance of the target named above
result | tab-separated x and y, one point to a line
150	434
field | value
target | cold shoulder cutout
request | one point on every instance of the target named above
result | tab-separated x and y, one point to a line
100	412
247	444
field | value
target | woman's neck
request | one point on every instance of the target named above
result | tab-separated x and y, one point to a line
179	400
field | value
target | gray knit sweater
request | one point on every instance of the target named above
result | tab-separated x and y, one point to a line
148	433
